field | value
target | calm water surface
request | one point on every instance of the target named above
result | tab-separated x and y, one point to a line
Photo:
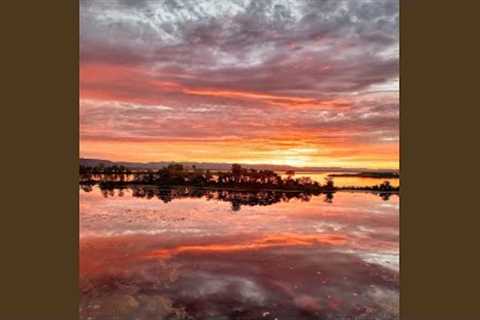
194	258
344	181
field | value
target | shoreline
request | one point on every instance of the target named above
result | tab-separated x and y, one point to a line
117	185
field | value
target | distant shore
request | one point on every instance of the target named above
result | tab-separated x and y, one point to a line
222	167
377	175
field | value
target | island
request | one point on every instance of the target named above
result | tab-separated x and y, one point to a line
376	175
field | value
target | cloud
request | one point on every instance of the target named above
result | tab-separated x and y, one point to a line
260	68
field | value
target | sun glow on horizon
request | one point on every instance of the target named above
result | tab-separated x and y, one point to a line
234	153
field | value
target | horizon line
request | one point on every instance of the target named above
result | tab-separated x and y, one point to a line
242	163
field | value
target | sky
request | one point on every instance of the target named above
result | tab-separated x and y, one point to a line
303	83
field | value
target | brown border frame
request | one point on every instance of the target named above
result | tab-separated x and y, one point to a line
439	265
439	144
39	139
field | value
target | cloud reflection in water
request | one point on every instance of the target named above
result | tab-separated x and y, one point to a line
195	259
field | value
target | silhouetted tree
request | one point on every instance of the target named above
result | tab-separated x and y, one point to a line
329	184
290	173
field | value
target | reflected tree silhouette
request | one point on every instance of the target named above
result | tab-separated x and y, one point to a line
385	196
236	198
86	187
329	197
236	206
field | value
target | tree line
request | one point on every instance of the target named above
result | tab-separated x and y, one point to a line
177	175
237	178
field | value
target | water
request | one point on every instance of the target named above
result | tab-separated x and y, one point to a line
211	256
321	177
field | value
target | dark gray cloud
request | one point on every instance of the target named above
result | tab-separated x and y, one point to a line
327	47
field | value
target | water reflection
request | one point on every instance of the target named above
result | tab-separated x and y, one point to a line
323	258
237	199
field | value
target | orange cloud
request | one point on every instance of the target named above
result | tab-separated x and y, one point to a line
107	82
271	99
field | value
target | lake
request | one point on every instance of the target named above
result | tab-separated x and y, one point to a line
321	177
163	255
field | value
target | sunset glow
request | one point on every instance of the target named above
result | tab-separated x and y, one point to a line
302	83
